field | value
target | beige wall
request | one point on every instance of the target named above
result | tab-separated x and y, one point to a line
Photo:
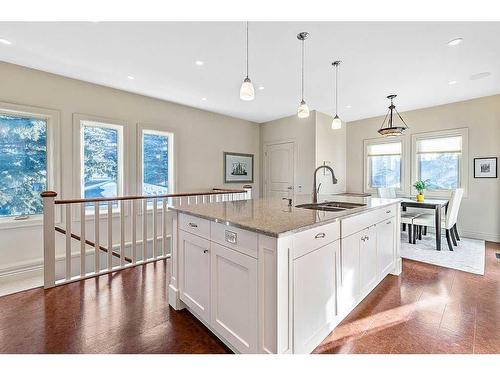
200	137
480	211
330	148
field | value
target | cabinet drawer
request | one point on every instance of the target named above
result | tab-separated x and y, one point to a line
241	240
195	225
312	239
357	223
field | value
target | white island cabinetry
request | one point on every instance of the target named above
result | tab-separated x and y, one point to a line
261	293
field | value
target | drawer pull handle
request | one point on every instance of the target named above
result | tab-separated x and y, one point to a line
193	225
205	251
388	222
388	211
320	235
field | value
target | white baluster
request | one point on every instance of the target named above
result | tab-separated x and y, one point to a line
155	226
83	253
122	233
164	228
110	236
68	241
144	229
97	263
134	231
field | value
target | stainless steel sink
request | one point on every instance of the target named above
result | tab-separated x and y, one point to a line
330	206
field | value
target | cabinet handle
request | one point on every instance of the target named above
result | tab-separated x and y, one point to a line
388	211
193	225
205	251
367	238
320	235
388	222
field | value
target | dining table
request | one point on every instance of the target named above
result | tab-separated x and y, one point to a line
432	204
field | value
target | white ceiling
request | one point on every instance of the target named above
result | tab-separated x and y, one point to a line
409	59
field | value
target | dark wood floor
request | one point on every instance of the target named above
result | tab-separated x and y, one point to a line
427	309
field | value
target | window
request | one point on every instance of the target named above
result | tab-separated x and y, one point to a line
156	164
27	136
438	159
100	151
383	164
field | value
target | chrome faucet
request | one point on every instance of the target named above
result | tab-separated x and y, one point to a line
316	191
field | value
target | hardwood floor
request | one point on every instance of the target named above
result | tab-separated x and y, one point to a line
427	309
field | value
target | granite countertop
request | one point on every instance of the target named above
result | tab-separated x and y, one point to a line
274	218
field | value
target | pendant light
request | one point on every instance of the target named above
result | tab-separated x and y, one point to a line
336	123
392	129
247	91
303	109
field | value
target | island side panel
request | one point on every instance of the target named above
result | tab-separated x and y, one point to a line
398	263
173	287
284	321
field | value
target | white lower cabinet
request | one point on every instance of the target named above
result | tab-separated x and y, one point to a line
368	274
385	246
234	300
349	289
194	271
315	280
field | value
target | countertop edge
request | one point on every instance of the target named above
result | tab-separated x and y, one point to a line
354	212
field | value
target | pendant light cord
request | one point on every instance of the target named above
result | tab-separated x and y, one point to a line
303	69
247	49
336	89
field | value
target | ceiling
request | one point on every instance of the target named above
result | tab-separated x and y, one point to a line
412	60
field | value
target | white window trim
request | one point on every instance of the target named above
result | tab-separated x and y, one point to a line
464	160
172	170
121	126
376	141
52	117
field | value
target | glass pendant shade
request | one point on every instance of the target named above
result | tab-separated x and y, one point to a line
336	123
303	110
247	92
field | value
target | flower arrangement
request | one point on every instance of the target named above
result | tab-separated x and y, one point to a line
420	186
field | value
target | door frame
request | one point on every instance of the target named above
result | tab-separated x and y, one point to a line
265	159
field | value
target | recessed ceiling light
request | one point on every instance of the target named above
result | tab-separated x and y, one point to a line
452	82
348	106
199	63
5	41
261	88
480	75
204	99
455	42
130	77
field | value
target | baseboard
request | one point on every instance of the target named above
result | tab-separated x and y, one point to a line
480	235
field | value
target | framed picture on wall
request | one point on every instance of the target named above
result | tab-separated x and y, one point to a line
238	167
485	167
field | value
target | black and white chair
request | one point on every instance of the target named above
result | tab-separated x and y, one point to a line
449	222
406	217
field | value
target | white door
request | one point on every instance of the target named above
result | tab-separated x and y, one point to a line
279	167
349	271
194	271
385	246
234	298
314	297
368	260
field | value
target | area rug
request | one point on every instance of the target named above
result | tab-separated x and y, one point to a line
468	256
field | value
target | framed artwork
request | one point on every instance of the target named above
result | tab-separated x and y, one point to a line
485	167
238	167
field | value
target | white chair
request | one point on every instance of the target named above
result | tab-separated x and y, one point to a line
449	222
406	217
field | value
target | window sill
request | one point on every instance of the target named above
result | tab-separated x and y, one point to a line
10	223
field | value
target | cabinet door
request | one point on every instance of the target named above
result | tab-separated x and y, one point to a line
234	298
349	271
314	297
194	273
368	269
385	246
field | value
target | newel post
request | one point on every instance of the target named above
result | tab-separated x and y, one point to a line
49	239
248	194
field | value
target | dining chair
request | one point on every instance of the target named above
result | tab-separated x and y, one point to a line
449	222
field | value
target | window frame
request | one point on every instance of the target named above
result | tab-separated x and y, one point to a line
366	168
463	172
172	170
78	159
52	118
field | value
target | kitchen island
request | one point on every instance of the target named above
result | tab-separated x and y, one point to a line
269	277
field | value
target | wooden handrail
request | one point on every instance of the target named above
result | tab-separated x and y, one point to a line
136	197
90	243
